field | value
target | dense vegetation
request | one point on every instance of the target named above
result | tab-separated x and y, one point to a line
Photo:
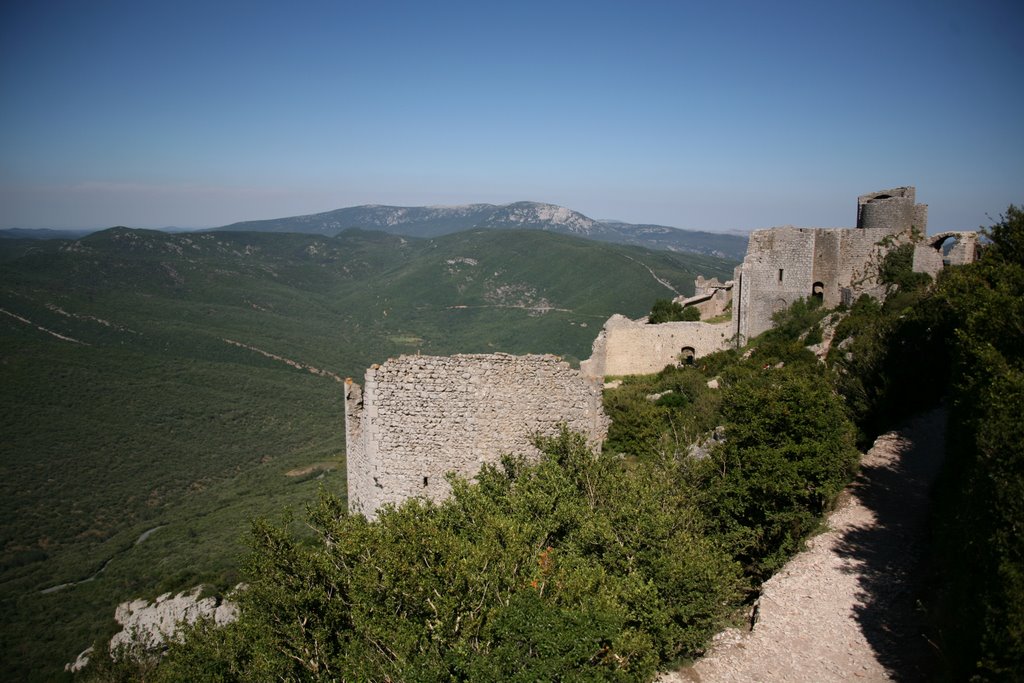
963	340
588	566
960	341
144	415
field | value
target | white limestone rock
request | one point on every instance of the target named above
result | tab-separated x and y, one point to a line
148	625
80	661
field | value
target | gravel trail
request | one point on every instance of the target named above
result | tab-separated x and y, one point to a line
845	608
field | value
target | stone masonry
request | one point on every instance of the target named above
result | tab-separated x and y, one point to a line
782	265
836	265
633	347
419	417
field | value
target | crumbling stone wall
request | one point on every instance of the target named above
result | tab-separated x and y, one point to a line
835	264
785	264
419	417
930	256
710	297
633	347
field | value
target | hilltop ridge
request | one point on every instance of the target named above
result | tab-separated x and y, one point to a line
434	221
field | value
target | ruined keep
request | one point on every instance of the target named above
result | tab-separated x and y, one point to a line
418	417
782	265
836	265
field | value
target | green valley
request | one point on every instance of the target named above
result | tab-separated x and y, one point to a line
171	382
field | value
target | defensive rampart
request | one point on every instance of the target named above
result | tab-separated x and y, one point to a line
632	347
835	265
418	417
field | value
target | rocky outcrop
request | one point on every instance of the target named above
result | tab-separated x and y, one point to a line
148	625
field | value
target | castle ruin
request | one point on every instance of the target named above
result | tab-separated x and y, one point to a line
417	418
782	265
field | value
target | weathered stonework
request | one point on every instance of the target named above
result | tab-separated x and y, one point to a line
418	417
836	265
633	347
782	265
929	256
710	297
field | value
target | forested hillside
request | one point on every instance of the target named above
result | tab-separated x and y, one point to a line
606	566
433	221
187	383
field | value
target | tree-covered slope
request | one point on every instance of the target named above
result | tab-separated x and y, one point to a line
189	382
434	221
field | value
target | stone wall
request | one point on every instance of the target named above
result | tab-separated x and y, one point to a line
711	297
631	347
836	265
419	417
785	264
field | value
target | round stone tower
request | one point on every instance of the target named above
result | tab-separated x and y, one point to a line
892	211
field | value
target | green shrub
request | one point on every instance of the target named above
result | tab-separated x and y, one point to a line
981	500
666	310
788	451
578	567
897	270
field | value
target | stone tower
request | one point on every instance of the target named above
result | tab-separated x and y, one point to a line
891	211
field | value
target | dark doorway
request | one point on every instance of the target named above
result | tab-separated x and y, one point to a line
686	355
818	291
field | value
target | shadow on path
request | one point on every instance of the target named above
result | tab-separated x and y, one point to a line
890	556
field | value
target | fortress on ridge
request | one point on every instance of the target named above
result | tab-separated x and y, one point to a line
419	417
782	265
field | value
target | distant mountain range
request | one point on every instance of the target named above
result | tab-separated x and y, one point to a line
433	221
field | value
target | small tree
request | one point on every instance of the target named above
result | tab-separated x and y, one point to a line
666	311
663	311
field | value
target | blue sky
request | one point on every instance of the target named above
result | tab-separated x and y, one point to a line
723	115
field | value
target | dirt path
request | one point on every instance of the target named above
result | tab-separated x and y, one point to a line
663	283
844	609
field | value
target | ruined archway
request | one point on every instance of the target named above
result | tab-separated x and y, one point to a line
955	248
818	291
686	355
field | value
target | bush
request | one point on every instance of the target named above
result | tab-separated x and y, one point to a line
897	270
578	567
666	310
981	501
788	451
